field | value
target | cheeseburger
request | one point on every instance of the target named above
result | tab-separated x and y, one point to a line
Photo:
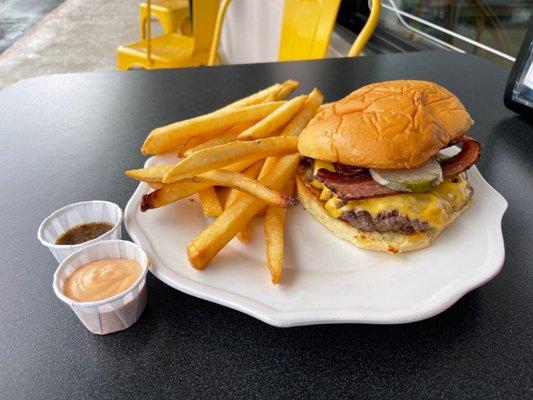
372	171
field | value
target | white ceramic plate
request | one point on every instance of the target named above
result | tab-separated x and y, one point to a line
325	279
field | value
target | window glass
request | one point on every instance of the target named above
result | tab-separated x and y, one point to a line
498	24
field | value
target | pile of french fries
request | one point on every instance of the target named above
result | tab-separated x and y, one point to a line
241	160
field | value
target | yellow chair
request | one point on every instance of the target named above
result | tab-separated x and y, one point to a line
367	31
173	50
171	14
306	28
213	53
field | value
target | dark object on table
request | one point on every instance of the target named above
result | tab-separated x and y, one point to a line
519	90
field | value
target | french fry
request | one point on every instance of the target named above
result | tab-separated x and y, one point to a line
173	136
265	95
154	185
196	140
304	115
205	246
153	174
203	142
289	86
210	202
298	123
229	135
219	156
271	123
251	172
268	94
232	196
283	91
267	165
244	184
271	97
172	192
156	173
274	224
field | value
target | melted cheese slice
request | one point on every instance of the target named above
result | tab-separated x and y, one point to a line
434	206
319	164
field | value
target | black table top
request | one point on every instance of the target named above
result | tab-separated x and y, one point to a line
68	138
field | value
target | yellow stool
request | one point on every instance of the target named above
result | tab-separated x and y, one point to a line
171	14
173	50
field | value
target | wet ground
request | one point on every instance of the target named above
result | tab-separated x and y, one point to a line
17	16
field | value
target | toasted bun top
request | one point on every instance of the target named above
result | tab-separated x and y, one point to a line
394	124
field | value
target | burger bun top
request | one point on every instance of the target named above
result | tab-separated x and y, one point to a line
386	125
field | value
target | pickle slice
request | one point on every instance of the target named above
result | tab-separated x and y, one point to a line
419	179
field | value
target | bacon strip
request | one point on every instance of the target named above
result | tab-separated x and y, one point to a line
463	160
356	187
349	170
362	186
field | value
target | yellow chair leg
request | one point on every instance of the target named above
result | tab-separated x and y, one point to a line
142	22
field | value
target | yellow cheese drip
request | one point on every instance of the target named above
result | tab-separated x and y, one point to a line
319	164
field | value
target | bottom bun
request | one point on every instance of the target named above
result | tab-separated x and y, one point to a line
392	242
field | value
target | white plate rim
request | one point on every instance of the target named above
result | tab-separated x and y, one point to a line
434	305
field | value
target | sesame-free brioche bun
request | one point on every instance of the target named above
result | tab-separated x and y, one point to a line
391	242
387	125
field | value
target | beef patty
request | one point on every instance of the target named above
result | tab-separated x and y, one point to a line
386	221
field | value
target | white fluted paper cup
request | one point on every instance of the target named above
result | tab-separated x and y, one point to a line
115	313
69	216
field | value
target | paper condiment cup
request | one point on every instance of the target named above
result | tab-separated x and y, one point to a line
115	313
69	216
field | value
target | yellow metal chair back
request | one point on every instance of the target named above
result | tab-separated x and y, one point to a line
203	24
306	28
218	29
367	31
